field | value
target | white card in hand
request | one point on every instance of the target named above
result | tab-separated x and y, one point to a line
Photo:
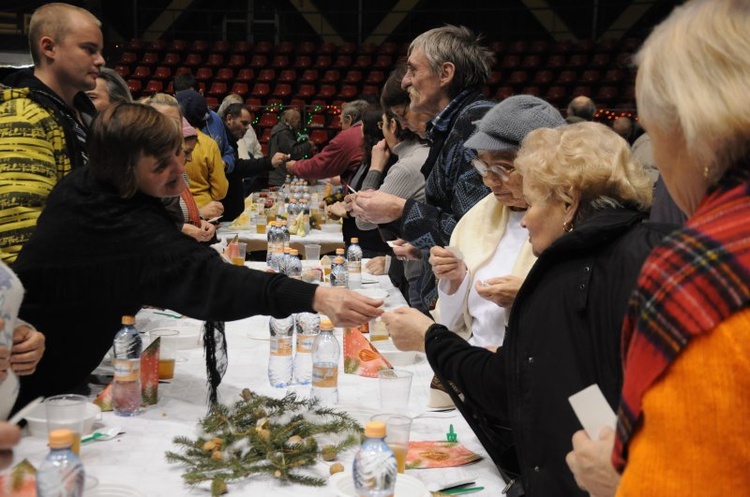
592	410
456	252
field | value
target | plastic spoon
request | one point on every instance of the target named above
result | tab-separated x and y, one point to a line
103	434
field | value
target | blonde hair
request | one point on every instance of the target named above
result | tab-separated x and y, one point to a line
53	20
162	99
586	158
694	75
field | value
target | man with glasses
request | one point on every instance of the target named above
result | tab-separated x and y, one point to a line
237	119
446	70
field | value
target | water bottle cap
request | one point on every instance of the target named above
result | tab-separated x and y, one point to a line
338	260
294	252
339	251
128	320
59	439
355	240
325	323
375	429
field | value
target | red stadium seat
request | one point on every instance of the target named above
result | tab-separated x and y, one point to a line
123	71
150	59
504	92
258	61
327	48
154	86
555	94
204	74
309	76
388	48
284	47
543	77
215	60
367	48
517	78
128	58
363	62
282	90
198	46
331	76
263	47
306	48
157	46
353	77
171	59
162	72
240	88
177	46
326	92
510	61
590	76
220	46
578	60
322	62
192	60
260	90
613	76
531	90
555	61
245	75
348	92
212	103
141	72
236	61
342	61
317	121
218	89
134	85
225	74
347	48
370	90
242	46
302	62
268	120
581	90
288	76
375	78
266	76
306	91
254	104
319	137
567	77
280	61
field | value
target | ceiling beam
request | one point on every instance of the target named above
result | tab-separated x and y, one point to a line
317	20
549	19
165	20
627	19
391	21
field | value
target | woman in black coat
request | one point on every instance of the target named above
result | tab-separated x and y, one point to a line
587	203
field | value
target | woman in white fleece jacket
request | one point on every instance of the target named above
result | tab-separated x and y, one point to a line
490	254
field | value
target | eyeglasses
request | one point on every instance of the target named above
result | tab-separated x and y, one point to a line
503	171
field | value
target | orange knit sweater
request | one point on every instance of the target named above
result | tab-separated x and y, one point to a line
695	436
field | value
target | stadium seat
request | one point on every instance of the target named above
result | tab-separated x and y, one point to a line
258	61
220	46
343	61
171	59
245	75
134	85
613	76
158	46
162	72
606	95
555	95
254	104
225	74
578	60
306	48
517	78
388	48
268	120
368	48
373	90
302	62
319	137
317	121
567	77
218	89
154	86
282	91
511	61
590	76
348	92
322	62
555	61
280	61
327	48
260	90
212	103
128	58
183	70
177	46
347	48
581	90
284	47
331	76
532	61
215	60
504	92
204	74
383	61
242	47
287	76
375	78
362	61
198	46
543	77
123	71
236	61
192	60
240	88
150	59
518	47
266	76
531	90
326	92
141	72
135	44
309	76
263	47
538	47
306	91
353	77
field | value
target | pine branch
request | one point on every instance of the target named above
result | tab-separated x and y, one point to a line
266	437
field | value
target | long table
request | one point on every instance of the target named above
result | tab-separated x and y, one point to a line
328	241
136	459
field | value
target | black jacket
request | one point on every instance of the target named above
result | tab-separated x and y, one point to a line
234	202
284	139
563	335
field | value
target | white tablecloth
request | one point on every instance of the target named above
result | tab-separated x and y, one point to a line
136	459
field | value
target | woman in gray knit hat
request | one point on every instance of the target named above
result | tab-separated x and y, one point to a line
586	200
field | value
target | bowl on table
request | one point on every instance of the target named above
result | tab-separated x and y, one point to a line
395	357
37	420
330	227
373	293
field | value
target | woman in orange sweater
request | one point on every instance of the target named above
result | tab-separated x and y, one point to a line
684	416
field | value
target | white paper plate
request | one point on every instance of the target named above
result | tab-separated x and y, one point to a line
373	293
113	490
406	486
361	414
399	357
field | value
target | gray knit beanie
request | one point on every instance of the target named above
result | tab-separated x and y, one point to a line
507	124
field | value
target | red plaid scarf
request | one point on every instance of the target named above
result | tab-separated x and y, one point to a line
689	285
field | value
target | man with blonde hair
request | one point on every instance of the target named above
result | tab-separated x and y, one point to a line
47	110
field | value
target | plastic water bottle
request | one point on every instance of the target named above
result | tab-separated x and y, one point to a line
339	275
280	360
308	327
325	369
354	263
126	388
374	468
273	235
294	264
61	474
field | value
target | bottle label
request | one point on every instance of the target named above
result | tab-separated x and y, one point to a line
354	267
281	346
325	376
127	369
305	343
